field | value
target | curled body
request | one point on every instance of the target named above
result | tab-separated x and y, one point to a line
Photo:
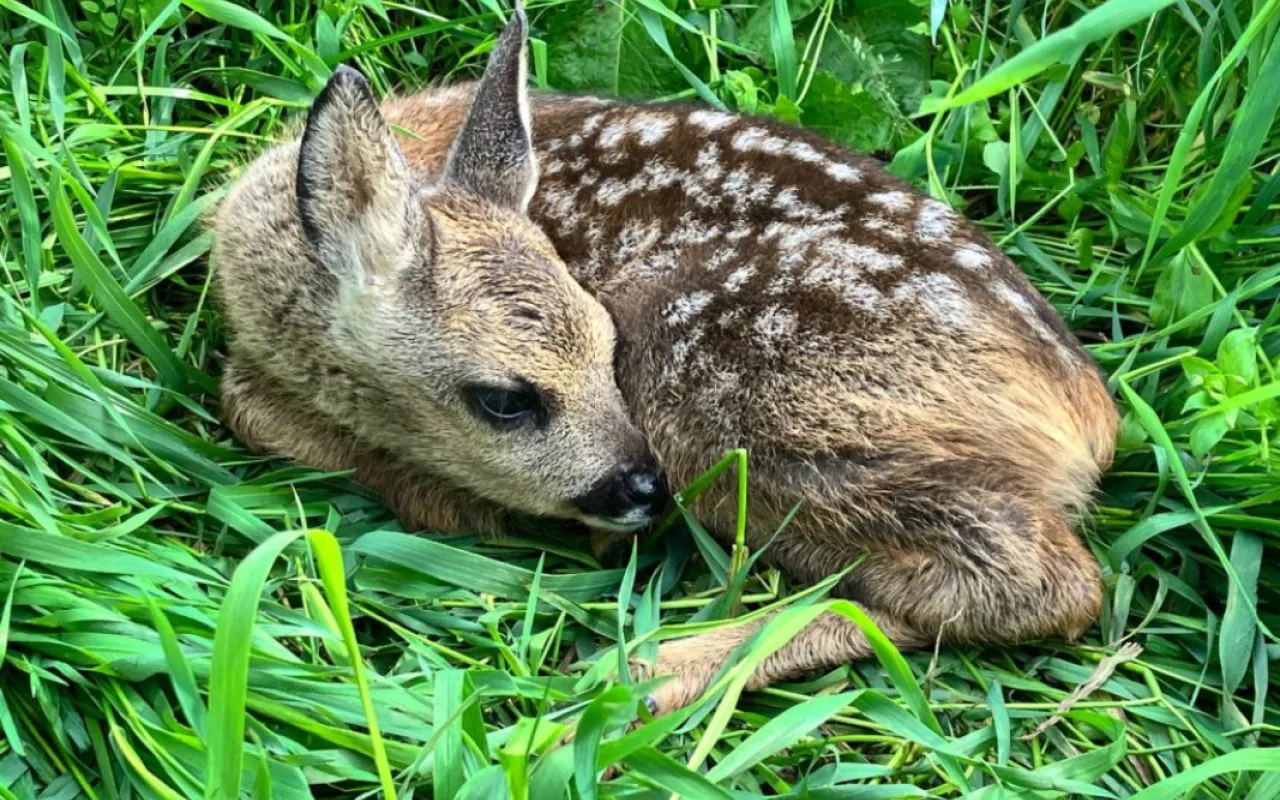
689	281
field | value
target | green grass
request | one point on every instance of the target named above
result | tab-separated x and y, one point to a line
1125	153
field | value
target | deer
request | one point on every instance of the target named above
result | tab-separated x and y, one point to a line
493	305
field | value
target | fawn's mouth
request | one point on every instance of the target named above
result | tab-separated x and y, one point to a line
629	522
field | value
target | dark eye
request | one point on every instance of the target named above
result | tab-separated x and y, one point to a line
505	408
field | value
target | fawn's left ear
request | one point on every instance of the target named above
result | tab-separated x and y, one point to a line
492	157
352	187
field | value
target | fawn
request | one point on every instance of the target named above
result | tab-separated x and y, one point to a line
551	306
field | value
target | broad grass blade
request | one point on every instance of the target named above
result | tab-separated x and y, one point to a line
1105	20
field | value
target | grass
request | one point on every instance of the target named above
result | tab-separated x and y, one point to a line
180	619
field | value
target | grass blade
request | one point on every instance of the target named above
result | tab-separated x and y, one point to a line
672	777
783	43
782	731
1105	20
1239	626
180	673
229	681
1175	786
1249	131
114	301
328	558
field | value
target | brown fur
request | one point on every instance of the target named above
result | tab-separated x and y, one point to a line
886	367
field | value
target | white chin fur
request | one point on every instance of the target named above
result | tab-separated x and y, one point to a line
628	523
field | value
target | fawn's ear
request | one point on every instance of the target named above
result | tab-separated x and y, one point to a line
493	154
353	185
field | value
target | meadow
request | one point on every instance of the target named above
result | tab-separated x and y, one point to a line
181	619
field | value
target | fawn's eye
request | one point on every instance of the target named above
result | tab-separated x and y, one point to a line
506	408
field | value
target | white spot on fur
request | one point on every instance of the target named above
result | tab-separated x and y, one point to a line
972	256
860	255
719	258
730	318
881	225
791	236
560	204
710	120
611	192
660	174
687	307
758	140
708	162
845	173
789	260
936	222
773	145
681	352
658	263
692	231
1015	298
895	202
612	135
592	124
637	238
774	325
789	203
845	279
554	145
941	296
748	139
745	189
737	182
650	128
781	284
699	188
575	142
803	151
1026	308
738	277
552	167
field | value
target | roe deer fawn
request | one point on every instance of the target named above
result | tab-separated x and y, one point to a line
551	305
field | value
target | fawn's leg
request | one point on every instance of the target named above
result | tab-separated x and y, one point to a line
265	421
979	567
828	641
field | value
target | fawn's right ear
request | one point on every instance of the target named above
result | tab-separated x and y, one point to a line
492	157
353	184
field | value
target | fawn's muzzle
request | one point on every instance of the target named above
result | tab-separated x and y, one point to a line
627	499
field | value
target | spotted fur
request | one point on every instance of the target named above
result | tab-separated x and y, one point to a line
891	373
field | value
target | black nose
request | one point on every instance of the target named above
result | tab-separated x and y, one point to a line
644	487
627	496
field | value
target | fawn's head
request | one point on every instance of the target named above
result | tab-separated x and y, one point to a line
492	367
